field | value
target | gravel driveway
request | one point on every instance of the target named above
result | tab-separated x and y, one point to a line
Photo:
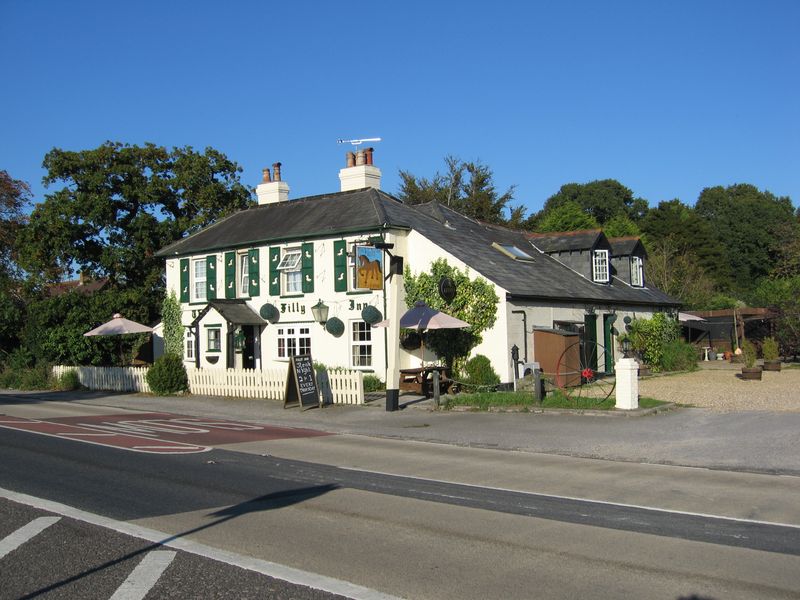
716	386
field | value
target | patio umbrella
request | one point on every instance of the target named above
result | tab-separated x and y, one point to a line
119	325
422	318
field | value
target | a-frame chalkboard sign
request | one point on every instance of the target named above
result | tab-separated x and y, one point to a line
301	383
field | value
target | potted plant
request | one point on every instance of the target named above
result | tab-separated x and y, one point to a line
750	370
769	348
712	354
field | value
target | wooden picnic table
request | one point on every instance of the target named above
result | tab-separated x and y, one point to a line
420	380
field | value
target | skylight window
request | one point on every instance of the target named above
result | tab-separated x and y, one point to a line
513	252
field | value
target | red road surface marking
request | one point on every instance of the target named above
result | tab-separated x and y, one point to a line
160	433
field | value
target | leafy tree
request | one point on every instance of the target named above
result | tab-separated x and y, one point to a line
14	197
467	188
568	216
783	296
620	226
54	327
748	224
678	273
120	203
687	233
475	302
602	200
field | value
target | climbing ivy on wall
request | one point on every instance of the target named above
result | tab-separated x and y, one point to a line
173	329
475	302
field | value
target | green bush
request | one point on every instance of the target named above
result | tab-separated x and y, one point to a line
10	379
678	356
479	372
168	376
769	349
372	384
749	354
67	381
649	336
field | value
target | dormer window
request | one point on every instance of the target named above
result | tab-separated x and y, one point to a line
637	271
600	272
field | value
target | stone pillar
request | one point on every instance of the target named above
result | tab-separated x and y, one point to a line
627	370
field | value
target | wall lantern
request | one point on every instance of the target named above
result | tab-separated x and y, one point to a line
626	347
320	312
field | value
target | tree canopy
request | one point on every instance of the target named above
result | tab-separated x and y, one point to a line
14	197
468	188
113	208
120	203
602	200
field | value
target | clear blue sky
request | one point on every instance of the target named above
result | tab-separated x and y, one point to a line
666	97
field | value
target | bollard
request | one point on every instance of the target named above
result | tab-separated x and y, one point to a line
435	384
392	400
627	370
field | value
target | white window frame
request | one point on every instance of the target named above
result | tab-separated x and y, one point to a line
361	346
199	284
214	342
243	274
189	347
293	340
637	271
600	266
291	272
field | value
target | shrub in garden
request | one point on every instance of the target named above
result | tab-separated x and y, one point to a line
749	354
67	381
168	376
373	384
479	371
678	356
769	349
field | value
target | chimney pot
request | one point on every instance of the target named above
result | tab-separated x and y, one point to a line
360	160
265	178
368	153
351	159
276	170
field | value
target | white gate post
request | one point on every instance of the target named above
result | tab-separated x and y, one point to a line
627	370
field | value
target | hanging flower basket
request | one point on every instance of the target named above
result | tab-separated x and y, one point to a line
269	312
371	315
334	326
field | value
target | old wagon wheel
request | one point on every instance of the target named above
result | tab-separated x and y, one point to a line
578	375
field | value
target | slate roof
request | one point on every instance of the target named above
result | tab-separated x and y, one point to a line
236	311
368	209
625	246
563	241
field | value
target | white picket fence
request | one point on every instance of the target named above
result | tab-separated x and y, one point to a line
336	386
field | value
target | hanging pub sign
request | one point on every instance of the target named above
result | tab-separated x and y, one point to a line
301	383
369	268
447	289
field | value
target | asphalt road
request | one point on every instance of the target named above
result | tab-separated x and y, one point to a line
417	536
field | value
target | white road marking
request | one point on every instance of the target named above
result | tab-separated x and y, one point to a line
144	576
23	534
271	569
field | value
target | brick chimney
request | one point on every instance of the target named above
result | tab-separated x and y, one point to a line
360	172
272	189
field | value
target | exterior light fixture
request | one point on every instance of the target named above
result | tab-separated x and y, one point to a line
320	312
626	347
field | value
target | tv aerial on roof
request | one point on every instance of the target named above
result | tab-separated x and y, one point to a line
358	142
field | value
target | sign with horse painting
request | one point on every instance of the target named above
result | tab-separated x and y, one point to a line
369	268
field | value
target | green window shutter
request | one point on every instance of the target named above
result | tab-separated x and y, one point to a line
230	274
211	277
184	295
255	276
307	263
340	266
274	274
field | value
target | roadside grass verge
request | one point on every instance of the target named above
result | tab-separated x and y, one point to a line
525	401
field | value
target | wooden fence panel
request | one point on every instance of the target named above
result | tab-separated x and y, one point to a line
337	386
